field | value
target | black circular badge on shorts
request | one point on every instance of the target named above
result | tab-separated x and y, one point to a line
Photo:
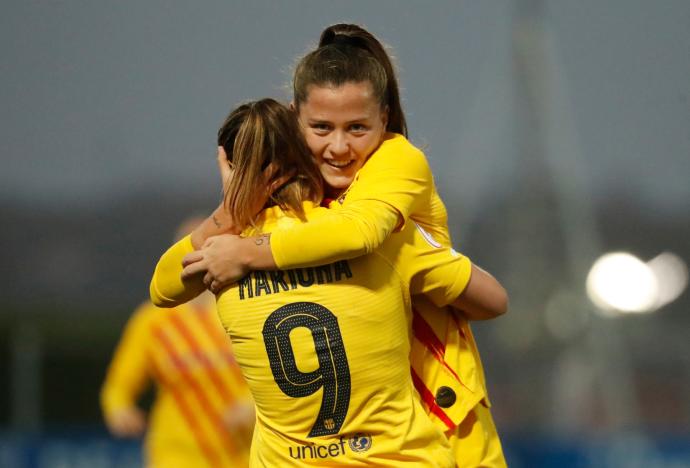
445	397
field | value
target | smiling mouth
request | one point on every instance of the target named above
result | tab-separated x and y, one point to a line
339	164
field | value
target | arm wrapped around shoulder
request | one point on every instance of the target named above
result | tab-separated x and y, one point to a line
354	230
167	288
483	298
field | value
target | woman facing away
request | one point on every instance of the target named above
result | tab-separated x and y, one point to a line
347	99
324	349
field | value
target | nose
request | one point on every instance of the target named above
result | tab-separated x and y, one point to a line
340	145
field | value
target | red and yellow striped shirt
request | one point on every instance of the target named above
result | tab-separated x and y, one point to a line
187	354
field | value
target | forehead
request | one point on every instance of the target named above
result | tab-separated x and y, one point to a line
332	101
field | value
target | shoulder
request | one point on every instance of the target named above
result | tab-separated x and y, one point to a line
395	141
398	154
274	218
413	246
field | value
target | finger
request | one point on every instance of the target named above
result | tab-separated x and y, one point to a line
193	269
193	257
222	157
208	280
215	287
224	166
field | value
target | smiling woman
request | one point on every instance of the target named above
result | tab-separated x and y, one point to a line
341	96
342	125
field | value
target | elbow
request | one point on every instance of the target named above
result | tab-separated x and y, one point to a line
158	299
485	296
496	307
495	303
155	297
486	309
168	296
501	305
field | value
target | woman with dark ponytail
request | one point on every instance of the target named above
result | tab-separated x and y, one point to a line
347	99
361	38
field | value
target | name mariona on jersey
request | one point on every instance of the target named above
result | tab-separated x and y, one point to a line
261	282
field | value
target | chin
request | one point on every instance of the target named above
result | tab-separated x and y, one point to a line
338	183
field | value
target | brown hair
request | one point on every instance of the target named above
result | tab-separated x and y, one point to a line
255	135
349	53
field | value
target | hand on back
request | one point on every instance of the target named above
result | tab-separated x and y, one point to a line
219	260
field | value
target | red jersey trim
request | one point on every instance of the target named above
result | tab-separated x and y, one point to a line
425	334
430	401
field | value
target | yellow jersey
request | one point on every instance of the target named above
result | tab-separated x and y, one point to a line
446	366
187	354
325	351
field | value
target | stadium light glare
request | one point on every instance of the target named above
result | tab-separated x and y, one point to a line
672	277
619	282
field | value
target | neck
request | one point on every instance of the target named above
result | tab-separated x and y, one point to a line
333	193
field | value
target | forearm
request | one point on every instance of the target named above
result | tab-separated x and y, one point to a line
484	298
256	254
344	233
167	289
219	222
116	396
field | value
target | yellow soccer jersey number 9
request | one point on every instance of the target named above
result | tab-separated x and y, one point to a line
333	373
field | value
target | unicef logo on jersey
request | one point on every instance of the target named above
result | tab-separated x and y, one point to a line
360	442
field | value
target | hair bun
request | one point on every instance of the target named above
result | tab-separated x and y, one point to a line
331	37
342	39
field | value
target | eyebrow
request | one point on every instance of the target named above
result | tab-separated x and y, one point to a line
349	122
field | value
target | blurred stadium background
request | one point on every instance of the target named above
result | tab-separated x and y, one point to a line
557	131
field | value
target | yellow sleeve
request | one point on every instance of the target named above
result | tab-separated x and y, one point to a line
167	288
437	271
443	279
398	174
129	371
341	234
395	182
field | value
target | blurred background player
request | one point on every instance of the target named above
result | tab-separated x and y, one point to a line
203	414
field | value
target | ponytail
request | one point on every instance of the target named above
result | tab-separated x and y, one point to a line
351	35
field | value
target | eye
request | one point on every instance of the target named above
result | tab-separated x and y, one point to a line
358	128
320	127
